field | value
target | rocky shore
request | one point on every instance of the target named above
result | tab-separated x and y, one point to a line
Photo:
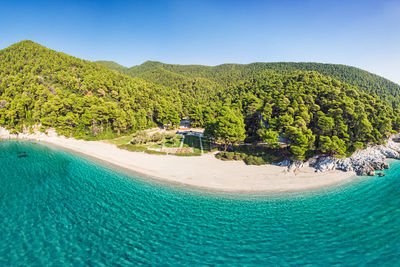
362	162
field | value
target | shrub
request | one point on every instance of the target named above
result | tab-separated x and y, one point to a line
239	156
358	145
254	160
140	138
230	156
157	137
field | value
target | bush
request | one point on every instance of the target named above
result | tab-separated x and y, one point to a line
239	156
254	160
157	137
230	156
154	152
358	145
140	138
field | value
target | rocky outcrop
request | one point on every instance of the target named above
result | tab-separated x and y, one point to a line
294	165
363	162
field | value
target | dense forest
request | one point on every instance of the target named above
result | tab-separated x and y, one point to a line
77	97
310	113
228	74
305	108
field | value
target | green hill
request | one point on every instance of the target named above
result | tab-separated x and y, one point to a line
228	74
311	112
78	97
308	111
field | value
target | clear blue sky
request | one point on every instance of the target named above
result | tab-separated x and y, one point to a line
364	34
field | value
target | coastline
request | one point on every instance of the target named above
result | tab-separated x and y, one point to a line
204	172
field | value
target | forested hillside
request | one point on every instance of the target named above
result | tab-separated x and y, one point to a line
228	74
77	97
288	102
310	112
276	104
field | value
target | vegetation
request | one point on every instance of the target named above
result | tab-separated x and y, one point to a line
292	109
183	154
78	98
112	65
227	127
228	74
192	142
120	140
208	145
309	113
154	152
133	148
252	155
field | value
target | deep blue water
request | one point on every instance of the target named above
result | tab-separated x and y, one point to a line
58	208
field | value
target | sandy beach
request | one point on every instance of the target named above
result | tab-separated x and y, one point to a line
202	172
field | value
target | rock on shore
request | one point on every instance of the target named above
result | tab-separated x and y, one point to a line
363	162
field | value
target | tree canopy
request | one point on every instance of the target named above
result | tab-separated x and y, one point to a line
77	97
306	108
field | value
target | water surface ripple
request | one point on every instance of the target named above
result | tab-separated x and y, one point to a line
58	208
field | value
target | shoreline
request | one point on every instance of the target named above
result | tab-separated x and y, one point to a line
202	172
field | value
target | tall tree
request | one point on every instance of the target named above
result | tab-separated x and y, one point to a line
228	127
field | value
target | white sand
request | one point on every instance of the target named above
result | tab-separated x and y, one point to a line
205	171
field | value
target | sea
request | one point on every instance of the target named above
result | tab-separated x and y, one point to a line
58	208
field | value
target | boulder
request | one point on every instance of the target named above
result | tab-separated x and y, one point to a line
345	165
284	163
325	164
295	165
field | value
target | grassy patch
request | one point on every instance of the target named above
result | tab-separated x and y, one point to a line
187	154
121	140
155	146
154	152
133	148
171	143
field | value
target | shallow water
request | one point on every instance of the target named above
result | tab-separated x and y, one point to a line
59	208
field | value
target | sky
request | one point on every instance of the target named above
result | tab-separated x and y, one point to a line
364	34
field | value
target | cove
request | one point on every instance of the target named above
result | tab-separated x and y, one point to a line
59	208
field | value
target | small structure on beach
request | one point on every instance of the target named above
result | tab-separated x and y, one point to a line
184	125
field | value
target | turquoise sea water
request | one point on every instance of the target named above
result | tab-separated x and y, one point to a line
58	208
